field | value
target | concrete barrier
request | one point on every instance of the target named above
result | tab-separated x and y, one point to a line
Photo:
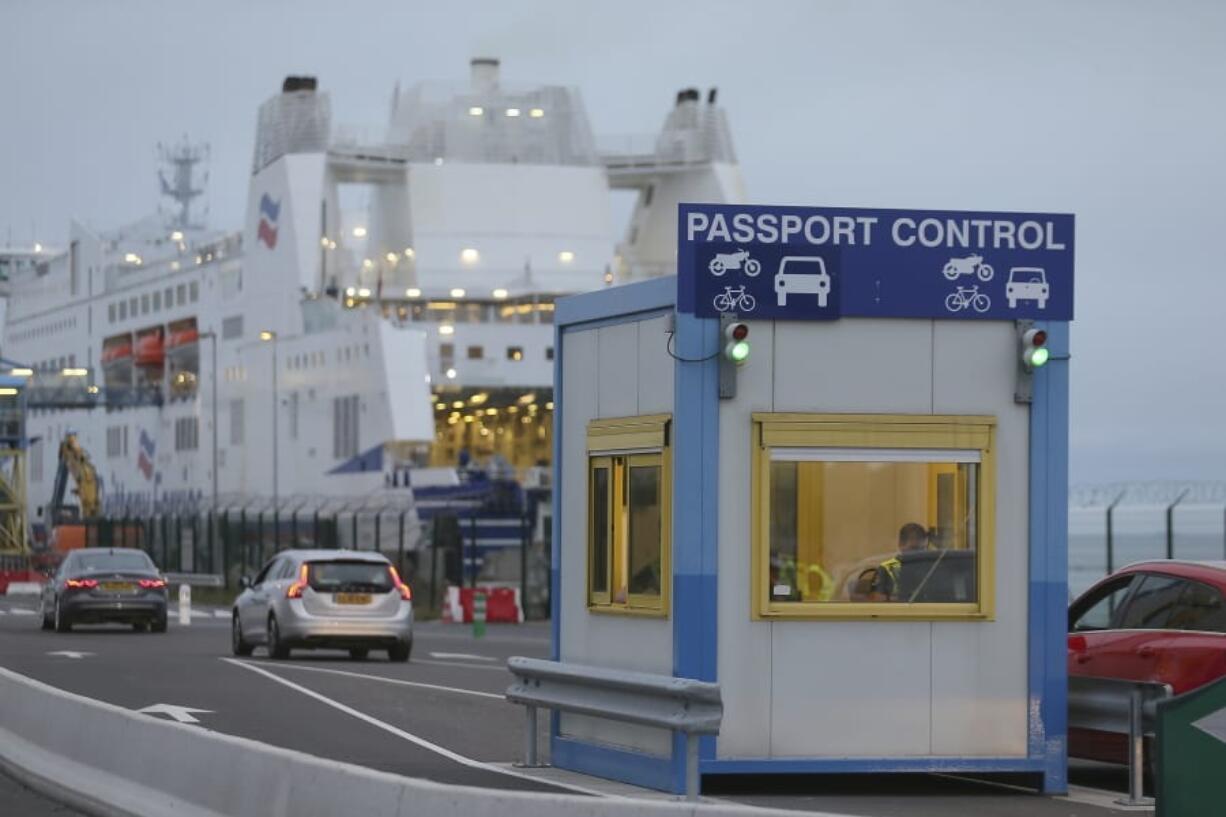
24	589
109	761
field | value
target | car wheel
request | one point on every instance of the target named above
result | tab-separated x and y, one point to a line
276	647
359	654
237	645
158	625
400	652
63	624
48	621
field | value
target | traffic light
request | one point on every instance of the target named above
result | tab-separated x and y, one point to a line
734	337
1034	348
1032	354
736	342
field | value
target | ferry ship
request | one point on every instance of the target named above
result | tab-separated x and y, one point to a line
318	354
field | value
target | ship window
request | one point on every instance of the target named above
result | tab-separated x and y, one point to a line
168	297
110	313
649	195
236	422
123	310
132	305
36	461
232	327
549	353
157	301
144	304
193	291
114	442
181	294
476	352
345	427
446	351
293	415
187	434
515	353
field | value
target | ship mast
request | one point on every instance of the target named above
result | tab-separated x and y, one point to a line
181	161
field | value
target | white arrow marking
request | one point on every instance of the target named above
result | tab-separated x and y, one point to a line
70	653
17	611
182	714
1213	724
464	655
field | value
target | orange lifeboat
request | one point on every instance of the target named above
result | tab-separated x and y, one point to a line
182	337
150	350
117	352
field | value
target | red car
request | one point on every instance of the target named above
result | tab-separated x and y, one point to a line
1162	621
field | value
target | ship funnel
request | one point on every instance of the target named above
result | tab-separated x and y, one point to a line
687	95
484	73
711	96
298	84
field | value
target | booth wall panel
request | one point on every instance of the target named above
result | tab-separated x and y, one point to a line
744	654
980	668
877	366
851	688
617	379
608	371
655	381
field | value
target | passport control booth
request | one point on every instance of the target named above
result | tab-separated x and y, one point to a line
824	466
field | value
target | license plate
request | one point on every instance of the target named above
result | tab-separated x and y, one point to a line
117	587
353	598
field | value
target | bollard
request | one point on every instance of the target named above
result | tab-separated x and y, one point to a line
185	604
478	613
1136	753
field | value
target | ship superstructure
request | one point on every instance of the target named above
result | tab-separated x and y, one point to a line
318	353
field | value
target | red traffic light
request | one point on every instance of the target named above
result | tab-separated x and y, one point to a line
736	331
1040	338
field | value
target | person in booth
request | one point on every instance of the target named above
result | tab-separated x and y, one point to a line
912	537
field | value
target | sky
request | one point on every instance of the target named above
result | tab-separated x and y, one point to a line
1112	111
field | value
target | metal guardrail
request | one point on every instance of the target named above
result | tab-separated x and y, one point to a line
679	704
196	579
1125	707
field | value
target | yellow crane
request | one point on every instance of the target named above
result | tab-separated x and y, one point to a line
66	530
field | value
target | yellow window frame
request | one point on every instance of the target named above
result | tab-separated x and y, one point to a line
885	431
619	445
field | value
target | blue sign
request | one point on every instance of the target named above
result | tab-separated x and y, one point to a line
818	263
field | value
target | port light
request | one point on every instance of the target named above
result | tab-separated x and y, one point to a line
566	256
132	258
9	391
451	373
412	292
177	235
476	110
74	372
512	112
364	292
458	293
267	335
392	257
38	247
408	252
359	232
469	255
446	329
21	371
536	113
500	293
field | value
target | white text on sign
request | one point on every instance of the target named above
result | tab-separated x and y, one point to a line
967	233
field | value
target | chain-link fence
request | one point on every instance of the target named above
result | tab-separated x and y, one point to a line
1114	525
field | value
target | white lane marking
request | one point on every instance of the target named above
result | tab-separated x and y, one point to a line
397	681
221	614
3	612
465	656
182	714
409	736
70	653
21	611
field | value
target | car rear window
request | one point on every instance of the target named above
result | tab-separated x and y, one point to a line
335	576
101	562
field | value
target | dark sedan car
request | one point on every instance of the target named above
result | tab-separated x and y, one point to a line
100	585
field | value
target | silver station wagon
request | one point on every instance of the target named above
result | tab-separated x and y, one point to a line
324	599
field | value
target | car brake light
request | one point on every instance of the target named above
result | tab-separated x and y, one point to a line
295	589
82	584
405	592
152	584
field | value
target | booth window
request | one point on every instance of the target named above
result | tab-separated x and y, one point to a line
629	492
873	516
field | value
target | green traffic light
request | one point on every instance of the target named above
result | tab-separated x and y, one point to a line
738	351
1037	357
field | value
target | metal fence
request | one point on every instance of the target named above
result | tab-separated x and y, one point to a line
431	555
1114	525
